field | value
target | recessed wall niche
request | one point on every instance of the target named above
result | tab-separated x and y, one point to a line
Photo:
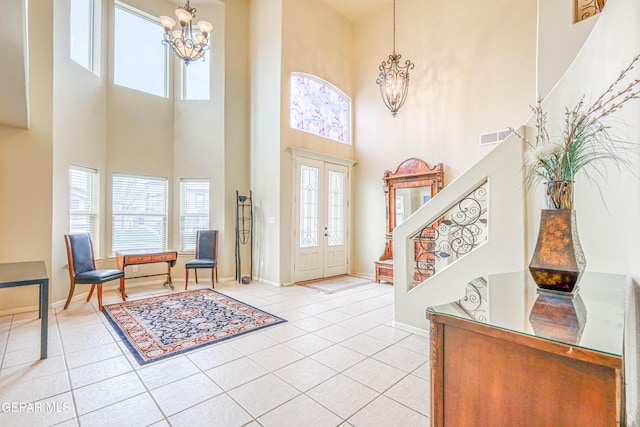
587	8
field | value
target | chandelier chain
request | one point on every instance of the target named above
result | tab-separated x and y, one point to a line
394	26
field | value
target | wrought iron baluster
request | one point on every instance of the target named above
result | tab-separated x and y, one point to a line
458	232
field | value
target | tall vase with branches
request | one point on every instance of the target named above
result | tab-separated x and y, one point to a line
585	146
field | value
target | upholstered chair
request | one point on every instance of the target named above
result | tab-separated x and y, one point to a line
206	256
82	267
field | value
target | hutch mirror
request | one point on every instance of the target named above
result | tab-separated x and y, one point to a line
408	188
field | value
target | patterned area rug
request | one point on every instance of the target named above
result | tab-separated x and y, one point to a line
160	327
336	284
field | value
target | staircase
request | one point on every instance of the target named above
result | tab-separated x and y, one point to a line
473	227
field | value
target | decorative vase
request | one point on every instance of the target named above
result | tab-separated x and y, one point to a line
558	261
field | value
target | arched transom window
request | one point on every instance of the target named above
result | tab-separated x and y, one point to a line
320	108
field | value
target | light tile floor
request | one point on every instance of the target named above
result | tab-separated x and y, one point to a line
338	361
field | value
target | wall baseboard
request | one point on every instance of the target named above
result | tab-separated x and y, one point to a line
412	329
20	310
268	282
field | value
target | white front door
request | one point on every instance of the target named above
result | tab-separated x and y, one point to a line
321	219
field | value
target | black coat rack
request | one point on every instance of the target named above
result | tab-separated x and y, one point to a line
244	234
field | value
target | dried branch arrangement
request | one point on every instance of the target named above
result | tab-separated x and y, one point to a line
585	141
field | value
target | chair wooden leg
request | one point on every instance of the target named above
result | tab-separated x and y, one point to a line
217	281
72	286
124	297
213	276
100	296
195	271
186	282
91	292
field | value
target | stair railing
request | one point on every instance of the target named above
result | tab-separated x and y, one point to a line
472	227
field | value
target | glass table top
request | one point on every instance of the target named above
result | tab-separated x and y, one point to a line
592	319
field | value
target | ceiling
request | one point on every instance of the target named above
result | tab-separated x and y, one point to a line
354	10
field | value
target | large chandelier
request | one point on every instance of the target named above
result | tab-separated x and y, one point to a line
394	78
182	41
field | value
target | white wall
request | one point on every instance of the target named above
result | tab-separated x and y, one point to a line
308	46
198	143
559	41
140	128
237	122
79	138
474	73
14	67
26	164
266	50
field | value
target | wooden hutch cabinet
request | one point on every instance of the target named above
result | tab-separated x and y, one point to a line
412	184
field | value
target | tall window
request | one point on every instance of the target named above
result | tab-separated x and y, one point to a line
196	79
81	32
84	202
320	108
140	59
194	211
139	213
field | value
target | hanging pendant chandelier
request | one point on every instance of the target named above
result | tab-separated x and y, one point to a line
182	41
394	78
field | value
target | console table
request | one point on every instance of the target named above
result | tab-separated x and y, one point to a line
30	273
138	257
507	355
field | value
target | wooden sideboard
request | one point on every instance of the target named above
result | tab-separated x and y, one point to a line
520	358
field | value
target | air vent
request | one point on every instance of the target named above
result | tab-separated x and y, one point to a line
494	137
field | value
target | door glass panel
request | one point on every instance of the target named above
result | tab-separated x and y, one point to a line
309	191
335	220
